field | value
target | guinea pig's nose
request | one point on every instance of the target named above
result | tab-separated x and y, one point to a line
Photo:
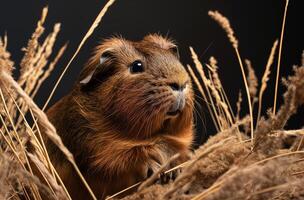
179	102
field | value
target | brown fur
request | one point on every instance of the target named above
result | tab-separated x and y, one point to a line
118	128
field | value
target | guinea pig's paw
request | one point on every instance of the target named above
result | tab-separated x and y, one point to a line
169	176
175	173
165	177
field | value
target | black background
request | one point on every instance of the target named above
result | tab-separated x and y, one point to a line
257	24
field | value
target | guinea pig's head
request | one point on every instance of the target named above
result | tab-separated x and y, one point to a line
140	88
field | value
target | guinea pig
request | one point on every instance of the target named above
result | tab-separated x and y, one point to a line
129	112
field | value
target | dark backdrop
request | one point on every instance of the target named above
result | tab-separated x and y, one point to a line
257	24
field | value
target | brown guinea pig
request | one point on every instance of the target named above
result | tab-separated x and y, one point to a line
130	111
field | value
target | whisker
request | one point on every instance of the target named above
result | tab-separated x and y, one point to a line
199	113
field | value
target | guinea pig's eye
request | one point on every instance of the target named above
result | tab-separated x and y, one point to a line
136	67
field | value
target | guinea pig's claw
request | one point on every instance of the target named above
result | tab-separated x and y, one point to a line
165	178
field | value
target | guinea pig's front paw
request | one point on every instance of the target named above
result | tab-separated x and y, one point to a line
167	177
163	177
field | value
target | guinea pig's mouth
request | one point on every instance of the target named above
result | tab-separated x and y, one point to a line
177	105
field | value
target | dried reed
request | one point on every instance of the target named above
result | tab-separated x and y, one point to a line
265	77
225	24
279	57
33	72
252	81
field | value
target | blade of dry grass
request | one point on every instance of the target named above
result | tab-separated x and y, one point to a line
238	106
265	77
252	81
279	58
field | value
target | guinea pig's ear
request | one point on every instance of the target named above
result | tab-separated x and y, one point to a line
105	56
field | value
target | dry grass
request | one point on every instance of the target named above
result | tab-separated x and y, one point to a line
279	58
230	165
17	101
265	77
225	24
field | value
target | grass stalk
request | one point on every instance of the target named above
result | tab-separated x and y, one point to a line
279	58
